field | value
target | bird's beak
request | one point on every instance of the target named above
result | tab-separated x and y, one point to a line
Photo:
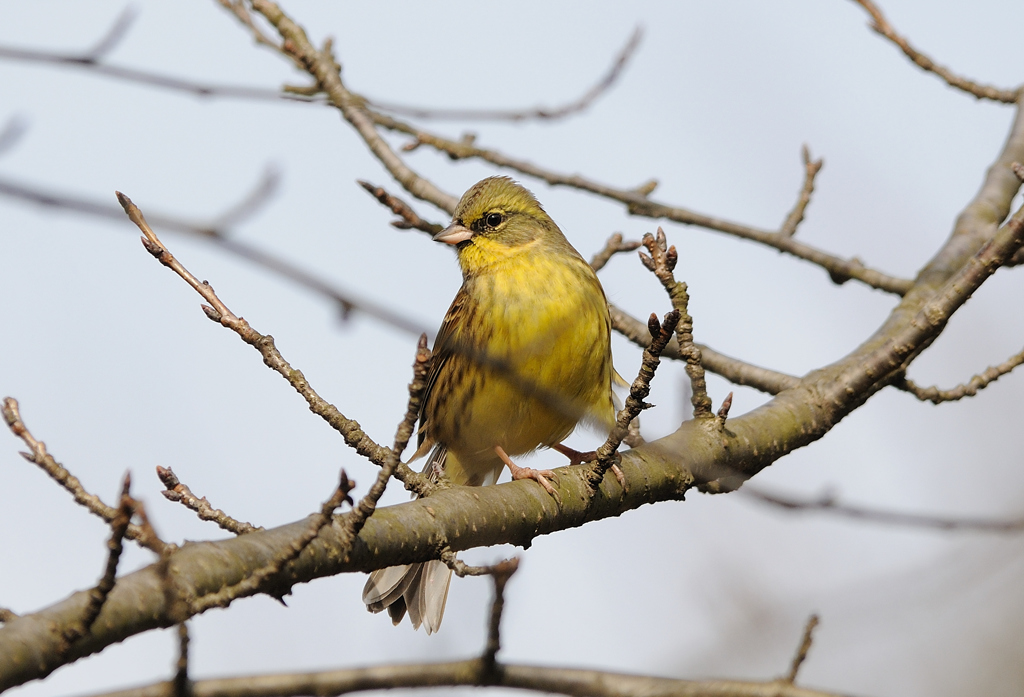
453	234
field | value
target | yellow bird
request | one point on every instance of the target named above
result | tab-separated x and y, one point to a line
523	355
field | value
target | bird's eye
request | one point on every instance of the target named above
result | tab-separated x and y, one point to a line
494	219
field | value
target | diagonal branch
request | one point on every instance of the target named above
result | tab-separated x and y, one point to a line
638	202
59	473
881	25
368	504
796	216
217	311
177	491
216	234
660	332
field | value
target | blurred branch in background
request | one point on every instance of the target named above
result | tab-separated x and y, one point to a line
827	502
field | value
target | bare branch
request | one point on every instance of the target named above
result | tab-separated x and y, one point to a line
828	503
255	582
322	67
462	569
661	262
544	113
113	37
967	389
179	492
58	472
501	573
181	684
408	218
217	311
637	203
566	681
801	652
98	595
796	216
368	504
613	246
732	369
660	332
881	25
347	302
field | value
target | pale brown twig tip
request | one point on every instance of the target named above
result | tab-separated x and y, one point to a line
723	411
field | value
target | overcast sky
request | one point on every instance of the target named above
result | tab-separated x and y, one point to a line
116	367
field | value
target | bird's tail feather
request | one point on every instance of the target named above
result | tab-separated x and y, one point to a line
419	589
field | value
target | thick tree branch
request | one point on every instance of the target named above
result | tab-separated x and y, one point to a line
698	453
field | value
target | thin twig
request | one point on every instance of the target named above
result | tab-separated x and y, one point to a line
98	594
58	472
181	683
179	492
501	573
368	504
661	332
801	652
661	262
638	203
217	311
462	569
828	503
543	113
967	389
255	581
613	246
408	218
881	25
796	216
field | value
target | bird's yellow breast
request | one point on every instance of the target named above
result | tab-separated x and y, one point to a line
535	321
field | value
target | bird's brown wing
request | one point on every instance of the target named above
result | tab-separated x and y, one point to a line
444	351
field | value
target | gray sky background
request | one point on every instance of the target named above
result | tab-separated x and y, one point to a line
117	368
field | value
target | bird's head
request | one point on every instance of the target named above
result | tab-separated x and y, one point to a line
498	211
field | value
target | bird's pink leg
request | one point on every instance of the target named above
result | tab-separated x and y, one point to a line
539	476
577	457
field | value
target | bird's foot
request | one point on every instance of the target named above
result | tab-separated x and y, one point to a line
539	476
577	457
